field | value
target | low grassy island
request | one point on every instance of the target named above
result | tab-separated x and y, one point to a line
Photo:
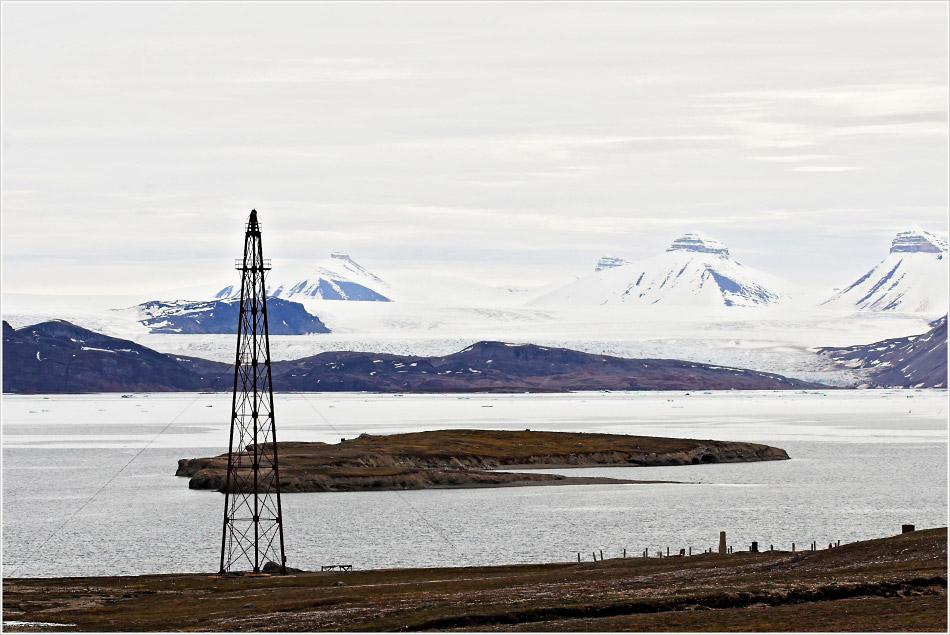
472	458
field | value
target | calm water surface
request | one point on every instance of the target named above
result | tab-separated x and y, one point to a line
864	462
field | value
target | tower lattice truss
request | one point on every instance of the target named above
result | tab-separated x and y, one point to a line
253	533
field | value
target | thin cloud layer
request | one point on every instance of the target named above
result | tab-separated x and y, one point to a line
519	140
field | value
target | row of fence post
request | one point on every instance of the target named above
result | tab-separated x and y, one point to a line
724	549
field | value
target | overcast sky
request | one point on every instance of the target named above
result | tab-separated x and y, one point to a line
511	143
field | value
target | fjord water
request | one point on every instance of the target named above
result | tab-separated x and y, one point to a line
863	463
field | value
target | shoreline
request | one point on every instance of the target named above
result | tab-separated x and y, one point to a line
567	480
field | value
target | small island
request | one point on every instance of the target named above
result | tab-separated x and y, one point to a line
472	458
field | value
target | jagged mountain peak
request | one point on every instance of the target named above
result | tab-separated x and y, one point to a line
917	240
699	243
339	277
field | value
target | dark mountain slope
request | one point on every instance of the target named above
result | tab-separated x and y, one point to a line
918	361
59	357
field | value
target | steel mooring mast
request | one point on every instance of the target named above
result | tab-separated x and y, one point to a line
253	533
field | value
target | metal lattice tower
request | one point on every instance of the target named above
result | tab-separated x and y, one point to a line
253	533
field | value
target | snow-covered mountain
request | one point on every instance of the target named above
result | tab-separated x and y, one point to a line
695	271
912	278
337	278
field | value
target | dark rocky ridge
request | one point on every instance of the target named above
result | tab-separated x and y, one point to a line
463	458
504	367
59	357
918	361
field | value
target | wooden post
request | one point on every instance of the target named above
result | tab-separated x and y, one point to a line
793	547
595	556
722	543
690	551
667	551
601	554
578	556
624	553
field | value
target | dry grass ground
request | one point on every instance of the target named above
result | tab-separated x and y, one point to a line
892	584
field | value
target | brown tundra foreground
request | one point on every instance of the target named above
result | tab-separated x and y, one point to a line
889	584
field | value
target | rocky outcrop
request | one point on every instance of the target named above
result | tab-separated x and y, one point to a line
918	241
699	243
609	262
471	458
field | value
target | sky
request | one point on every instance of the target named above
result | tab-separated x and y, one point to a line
511	144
